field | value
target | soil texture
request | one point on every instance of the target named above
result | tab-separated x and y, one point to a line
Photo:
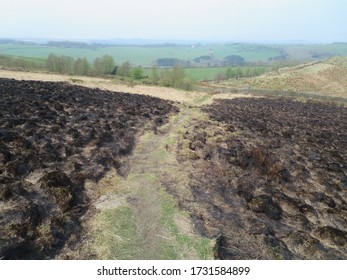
269	178
53	138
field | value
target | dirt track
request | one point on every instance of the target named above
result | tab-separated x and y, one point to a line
53	138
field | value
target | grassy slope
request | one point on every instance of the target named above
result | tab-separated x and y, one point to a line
326	78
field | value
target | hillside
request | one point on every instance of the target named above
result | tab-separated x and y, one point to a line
93	173
326	78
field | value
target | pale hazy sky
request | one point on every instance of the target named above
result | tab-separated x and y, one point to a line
226	20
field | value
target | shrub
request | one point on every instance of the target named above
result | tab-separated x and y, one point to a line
175	77
137	73
124	69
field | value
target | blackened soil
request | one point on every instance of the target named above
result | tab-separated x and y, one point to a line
54	137
270	178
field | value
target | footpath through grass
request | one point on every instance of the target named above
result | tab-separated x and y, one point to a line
138	218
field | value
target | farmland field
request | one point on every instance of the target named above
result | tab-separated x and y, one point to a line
325	50
201	61
141	55
147	55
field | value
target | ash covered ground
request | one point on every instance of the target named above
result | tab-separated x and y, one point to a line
269	178
53	138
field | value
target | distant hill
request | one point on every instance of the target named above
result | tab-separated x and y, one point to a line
327	78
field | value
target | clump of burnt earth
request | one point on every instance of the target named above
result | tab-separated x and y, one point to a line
54	137
269	178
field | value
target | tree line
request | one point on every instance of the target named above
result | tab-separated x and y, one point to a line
173	77
204	60
241	72
80	66
101	66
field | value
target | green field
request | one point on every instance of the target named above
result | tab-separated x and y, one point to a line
147	55
259	58
302	52
144	55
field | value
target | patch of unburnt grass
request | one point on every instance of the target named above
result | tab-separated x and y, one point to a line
152	179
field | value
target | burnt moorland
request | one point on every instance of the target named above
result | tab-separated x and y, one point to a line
53	138
270	178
